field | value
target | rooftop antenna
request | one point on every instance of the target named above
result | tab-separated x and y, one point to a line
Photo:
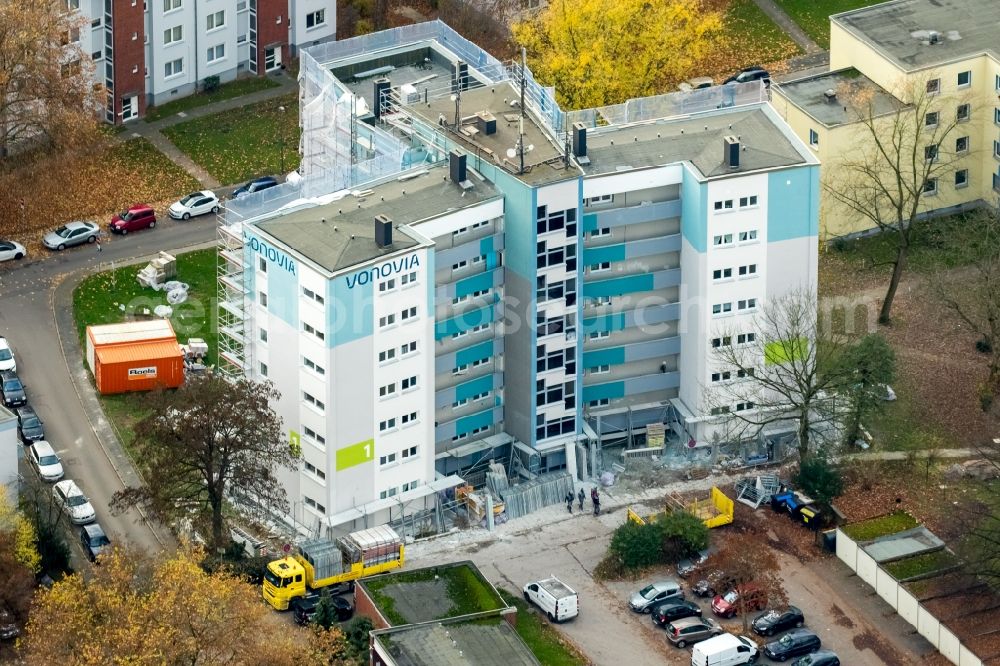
354	130
566	150
520	128
457	99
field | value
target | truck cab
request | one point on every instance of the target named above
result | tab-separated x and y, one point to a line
284	580
553	597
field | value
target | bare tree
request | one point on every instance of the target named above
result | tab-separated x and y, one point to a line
980	523
747	570
898	156
46	81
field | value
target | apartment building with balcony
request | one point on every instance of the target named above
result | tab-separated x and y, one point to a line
946	49
149	52
572	273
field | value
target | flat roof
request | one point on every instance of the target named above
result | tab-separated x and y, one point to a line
901	28
809	94
131	331
697	139
347	238
489	642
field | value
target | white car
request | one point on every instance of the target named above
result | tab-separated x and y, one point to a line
72	500
11	250
194	204
7	361
45	460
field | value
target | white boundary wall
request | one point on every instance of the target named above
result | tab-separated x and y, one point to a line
904	603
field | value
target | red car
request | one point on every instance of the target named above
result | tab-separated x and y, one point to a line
728	604
137	217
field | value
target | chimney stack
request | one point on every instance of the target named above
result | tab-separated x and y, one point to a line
383	231
579	139
732	152
456	163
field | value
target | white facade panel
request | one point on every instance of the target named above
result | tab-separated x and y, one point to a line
632	180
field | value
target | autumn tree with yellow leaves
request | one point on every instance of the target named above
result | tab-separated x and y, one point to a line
19	560
598	53
136	611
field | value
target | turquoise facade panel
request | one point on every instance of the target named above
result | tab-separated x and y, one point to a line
463	322
480	282
608	391
589	222
350	312
478	385
474	353
792	203
618	286
694	210
597	255
473	421
609	356
282	277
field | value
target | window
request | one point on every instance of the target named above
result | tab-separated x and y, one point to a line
387	459
313	504
716	411
603	266
722	308
474	329
996	83
217	52
171	5
409	419
308	328
71	68
996	116
309	363
962	144
603	231
313	400
600	369
608	198
173	68
724	341
263	369
386	320
727	204
315	471
409	383
722	273
386	355
263	299
408	313
408	279
171	35
722	376
410	486
964	112
931	119
479	259
813	138
408	348
934	86
461	264
748	270
931	153
996	149
313	435
262	264
215	20
930	187
312	295
386	285
748	236
602	402
743	406
387	391
722	240
263	335
748	304
745	338
388	424
962	178
964	79
412	451
75	4
96	55
597	335
315	19
748	201
241	39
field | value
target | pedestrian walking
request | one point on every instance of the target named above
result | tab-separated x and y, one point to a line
596	499
580	495
569	501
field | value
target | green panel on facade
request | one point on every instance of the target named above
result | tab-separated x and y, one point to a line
355	454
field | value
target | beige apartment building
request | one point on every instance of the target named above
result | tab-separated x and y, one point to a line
946	49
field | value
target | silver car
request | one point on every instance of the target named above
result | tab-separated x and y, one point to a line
71	499
644	600
11	250
194	204
70	234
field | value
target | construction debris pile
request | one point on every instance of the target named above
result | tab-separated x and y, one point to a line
531	495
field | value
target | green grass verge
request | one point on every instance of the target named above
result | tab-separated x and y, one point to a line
541	637
755	36
903	426
813	16
226	91
892	523
467	591
124	411
920	565
243	143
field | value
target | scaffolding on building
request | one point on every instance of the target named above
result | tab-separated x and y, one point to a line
232	301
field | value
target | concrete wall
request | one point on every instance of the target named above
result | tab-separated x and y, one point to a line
10	449
904	603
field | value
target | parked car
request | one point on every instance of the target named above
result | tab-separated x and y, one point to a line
674	609
304	608
70	234
792	644
7	360
729	604
29	426
689	565
644	600
72	500
94	541
255	185
555	598
773	621
696	83
11	250
139	216
12	390
725	650
690	630
193	205
46	461
705	587
750	74
818	658
8	626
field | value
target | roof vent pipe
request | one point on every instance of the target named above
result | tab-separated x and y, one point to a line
732	152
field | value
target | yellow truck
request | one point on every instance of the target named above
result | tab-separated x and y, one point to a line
323	563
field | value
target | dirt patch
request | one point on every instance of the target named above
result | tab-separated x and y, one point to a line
868	640
840	617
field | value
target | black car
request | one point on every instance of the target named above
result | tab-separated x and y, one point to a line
29	426
8	627
792	644
748	74
256	185
674	609
94	541
773	621
304	608
12	389
818	658
705	587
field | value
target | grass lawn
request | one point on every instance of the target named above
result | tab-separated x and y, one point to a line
892	523
813	16
468	592
229	90
752	34
921	565
541	637
243	143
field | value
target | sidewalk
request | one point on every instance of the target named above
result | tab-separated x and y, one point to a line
791	28
153	131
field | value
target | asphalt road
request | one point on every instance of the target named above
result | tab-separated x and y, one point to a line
28	312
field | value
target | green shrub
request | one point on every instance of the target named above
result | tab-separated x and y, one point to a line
638	545
210	84
684	535
356	632
819	479
610	567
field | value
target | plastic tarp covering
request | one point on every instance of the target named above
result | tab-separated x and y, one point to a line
374	545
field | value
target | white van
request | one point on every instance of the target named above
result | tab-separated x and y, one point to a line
724	650
554	597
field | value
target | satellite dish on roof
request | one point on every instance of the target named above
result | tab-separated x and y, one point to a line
511	153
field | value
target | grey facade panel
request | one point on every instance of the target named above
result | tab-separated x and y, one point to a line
652	349
657	382
651	246
617	217
664	279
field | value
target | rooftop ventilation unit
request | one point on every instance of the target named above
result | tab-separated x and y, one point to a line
457	168
580	143
830	94
383	231
933	37
731	145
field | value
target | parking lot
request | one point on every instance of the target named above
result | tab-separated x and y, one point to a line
845	616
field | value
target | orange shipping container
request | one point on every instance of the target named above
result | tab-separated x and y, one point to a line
126	333
139	366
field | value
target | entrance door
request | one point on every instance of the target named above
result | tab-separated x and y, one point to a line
272	58
130	108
